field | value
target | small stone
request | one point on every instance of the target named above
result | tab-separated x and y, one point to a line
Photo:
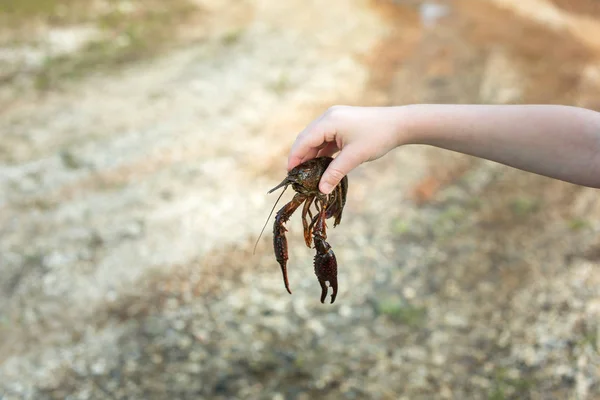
438	359
99	367
415	353
55	260
409	292
504	339
513	373
154	326
300	307
237	303
172	303
111	296
179	325
84	394
456	321
345	311
130	366
529	356
184	342
193	368
564	370
195	356
480	381
157	358
317	327
183	379
446	392
488	367
133	230
397	360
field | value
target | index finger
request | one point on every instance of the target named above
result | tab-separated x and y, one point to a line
308	143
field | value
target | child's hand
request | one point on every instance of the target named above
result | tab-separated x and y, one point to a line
360	134
560	142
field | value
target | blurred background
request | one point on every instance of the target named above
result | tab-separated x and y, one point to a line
138	139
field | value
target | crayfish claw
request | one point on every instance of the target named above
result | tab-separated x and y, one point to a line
334	286
326	268
324	289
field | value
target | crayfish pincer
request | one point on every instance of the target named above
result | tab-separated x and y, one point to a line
305	182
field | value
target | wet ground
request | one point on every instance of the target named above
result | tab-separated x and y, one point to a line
132	191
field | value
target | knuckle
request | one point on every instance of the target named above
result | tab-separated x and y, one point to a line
335	111
334	175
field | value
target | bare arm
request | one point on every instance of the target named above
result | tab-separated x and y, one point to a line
560	142
556	141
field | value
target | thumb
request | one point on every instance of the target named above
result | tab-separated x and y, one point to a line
346	161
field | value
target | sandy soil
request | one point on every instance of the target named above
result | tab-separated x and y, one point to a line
130	201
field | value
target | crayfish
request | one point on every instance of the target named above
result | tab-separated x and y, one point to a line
305	181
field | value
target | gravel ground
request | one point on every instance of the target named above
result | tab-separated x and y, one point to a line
130	202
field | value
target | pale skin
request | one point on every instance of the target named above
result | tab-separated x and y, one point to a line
560	142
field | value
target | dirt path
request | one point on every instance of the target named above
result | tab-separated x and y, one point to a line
129	204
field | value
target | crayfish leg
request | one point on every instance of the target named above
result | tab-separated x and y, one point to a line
307	228
279	240
325	262
338	201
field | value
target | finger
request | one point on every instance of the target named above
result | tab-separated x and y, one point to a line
345	162
329	150
309	142
312	153
306	146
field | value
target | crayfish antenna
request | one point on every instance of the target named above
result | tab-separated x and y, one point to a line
284	182
271	213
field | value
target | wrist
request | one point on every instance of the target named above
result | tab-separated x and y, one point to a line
426	124
408	124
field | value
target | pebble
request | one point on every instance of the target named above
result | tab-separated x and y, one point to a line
185	342
179	324
316	327
455	320
99	367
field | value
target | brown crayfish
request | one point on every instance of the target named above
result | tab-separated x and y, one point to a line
305	181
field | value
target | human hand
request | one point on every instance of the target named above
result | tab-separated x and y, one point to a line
360	134
560	142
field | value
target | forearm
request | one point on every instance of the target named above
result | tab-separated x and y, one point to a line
560	142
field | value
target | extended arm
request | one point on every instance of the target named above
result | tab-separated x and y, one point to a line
560	142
